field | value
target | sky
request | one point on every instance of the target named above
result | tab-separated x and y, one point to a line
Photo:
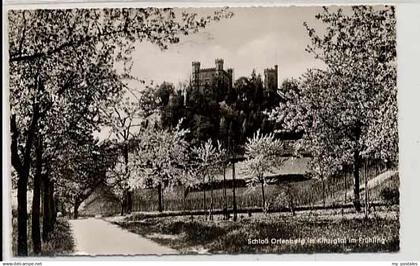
254	38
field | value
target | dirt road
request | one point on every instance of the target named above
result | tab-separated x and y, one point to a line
97	237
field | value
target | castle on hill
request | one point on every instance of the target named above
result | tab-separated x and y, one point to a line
204	77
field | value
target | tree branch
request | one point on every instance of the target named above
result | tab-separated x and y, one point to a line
63	46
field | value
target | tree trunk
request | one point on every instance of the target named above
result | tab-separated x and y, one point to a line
388	165
52	205
160	197
225	206
129	202
204	199
184	199
124	203
366	189
345	186
63	209
46	219
22	217
122	208
323	191
291	199
292	207
56	207
36	230
235	215
49	206
76	209
211	200
356	189
263	194
22	168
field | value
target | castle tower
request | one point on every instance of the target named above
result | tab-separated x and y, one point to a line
271	78
195	72
276	68
230	73
219	65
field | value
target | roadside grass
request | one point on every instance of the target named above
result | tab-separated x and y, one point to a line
326	236
60	241
181	233
329	233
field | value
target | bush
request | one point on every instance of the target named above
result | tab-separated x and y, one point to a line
390	195
234	242
200	233
60	240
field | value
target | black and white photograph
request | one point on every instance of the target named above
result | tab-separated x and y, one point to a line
203	130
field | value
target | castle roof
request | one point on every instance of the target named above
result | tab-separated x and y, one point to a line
207	69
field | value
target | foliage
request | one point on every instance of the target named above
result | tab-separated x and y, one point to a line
208	160
63	68
262	153
390	195
61	71
60	242
161	158
356	91
82	169
91	26
287	197
125	116
348	110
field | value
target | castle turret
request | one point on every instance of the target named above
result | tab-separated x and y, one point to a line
219	65
271	78
276	83
230	73
195	72
195	67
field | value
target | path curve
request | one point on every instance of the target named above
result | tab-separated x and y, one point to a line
98	237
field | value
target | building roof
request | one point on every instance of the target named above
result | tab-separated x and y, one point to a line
291	166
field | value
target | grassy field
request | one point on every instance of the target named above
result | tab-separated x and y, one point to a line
321	231
60	241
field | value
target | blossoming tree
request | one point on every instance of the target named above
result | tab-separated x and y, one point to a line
262	153
208	160
349	108
160	160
